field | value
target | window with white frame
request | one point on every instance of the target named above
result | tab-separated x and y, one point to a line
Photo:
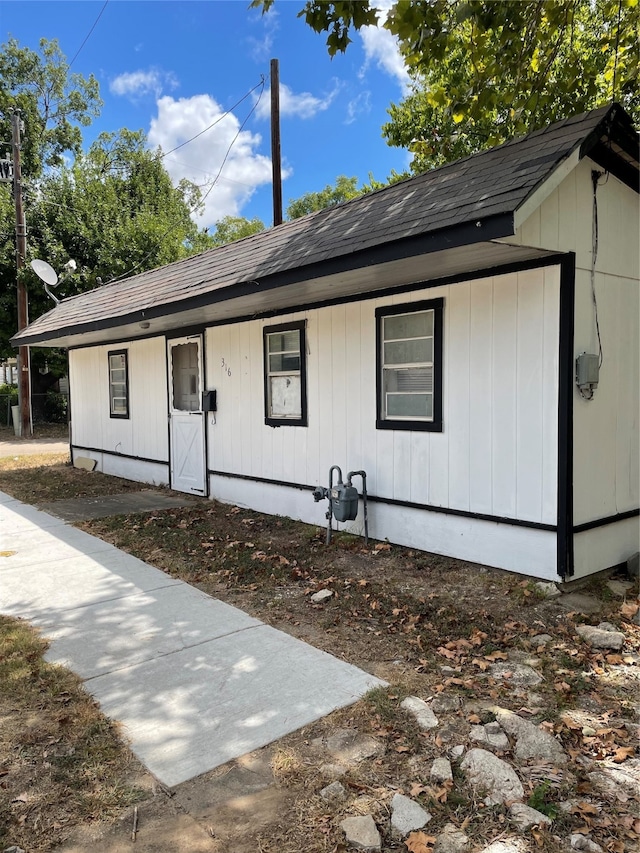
285	375
118	384
410	366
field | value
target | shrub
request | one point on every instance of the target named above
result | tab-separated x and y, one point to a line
8	398
55	408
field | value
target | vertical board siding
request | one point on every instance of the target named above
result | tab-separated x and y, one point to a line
340	422
550	367
144	432
148	398
627	432
368	452
499	333
89	395
606	437
353	383
481	411
456	391
529	382
504	398
311	465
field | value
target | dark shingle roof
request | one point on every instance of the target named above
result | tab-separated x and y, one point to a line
488	186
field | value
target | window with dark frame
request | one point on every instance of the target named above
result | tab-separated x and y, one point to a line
118	384
409	361
285	381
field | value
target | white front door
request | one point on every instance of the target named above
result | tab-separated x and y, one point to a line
186	418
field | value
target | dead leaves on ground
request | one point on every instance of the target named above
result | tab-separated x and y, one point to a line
420	842
629	609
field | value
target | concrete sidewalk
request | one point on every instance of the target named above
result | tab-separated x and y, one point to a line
194	682
32	446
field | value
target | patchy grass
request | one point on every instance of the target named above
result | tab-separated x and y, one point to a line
61	761
430	626
49	477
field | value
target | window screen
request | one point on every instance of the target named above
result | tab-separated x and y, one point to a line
409	366
285	386
118	385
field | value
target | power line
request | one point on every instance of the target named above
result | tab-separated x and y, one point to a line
224	160
209	184
213	124
86	38
219	119
200	201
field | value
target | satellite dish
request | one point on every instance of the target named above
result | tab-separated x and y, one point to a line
45	271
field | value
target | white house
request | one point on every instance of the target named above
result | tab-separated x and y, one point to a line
428	333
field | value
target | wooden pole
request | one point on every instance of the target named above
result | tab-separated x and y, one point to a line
24	377
276	168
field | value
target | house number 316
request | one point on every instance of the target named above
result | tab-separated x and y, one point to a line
226	368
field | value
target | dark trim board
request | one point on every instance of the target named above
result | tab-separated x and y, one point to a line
565	554
303	487
602	522
79	447
485	229
443	510
548	260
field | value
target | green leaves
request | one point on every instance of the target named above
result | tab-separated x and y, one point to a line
53	102
231	228
343	190
484	70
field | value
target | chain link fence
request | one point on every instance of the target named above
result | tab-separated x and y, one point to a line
49	408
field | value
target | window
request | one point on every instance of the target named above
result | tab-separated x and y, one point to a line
118	384
409	340
285	379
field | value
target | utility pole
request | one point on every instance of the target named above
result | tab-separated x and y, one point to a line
24	370
276	170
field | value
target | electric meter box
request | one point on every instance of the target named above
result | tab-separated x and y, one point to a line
209	401
587	370
344	501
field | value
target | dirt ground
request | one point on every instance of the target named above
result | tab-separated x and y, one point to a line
431	627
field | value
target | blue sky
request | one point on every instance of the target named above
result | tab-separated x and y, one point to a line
173	68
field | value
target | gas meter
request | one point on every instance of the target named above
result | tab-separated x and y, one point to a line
344	501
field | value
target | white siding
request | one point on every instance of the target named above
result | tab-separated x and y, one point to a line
604	546
605	432
144	433
505	546
495	456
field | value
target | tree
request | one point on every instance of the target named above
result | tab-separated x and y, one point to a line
484	71
54	103
115	212
343	190
231	228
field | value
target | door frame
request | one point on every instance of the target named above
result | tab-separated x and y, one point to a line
171	341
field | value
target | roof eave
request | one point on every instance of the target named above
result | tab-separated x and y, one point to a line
481	230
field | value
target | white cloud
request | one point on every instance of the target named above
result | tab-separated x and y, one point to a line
302	105
136	84
358	106
381	48
244	169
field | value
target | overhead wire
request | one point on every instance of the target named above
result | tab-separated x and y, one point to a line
86	38
209	184
224	159
201	200
219	119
